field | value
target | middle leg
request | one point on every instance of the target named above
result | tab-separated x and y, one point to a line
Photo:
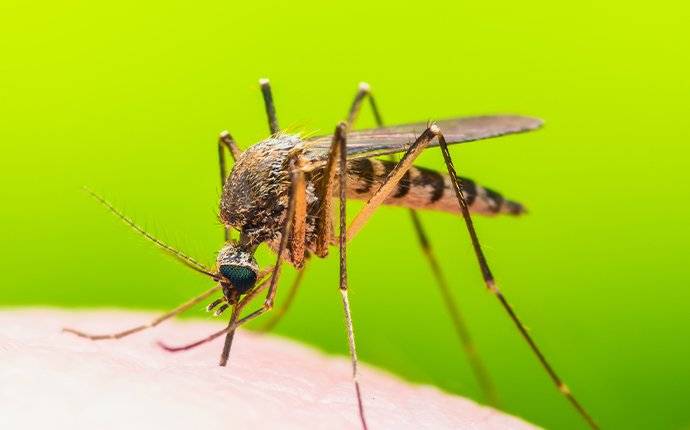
337	163
294	223
339	139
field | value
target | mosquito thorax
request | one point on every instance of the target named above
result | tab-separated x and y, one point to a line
255	194
238	269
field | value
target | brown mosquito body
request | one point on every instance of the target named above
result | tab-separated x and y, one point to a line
281	190
256	193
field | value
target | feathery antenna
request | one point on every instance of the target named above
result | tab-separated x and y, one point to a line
181	257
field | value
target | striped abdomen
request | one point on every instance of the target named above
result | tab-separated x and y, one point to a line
426	189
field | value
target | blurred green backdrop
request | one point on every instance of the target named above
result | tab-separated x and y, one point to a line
128	99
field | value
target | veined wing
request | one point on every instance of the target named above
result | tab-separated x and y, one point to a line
390	140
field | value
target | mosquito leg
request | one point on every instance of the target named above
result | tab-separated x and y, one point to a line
270	108
461	330
280	312
297	188
337	155
492	287
225	140
343	270
363	91
324	222
297	235
192	345
340	144
183	307
229	336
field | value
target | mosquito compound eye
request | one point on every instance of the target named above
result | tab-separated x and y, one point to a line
241	277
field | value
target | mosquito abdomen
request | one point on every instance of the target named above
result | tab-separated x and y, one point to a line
424	189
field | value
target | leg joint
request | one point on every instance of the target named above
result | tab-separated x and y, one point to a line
564	389
340	130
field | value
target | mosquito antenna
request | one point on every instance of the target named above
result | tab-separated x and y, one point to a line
181	257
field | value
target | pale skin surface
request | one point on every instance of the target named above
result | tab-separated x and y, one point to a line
50	379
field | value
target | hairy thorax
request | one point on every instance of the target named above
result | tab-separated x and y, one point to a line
255	195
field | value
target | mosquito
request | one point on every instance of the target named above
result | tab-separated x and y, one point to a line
281	191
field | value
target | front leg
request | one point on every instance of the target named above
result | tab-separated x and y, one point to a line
324	222
270	107
296	195
338	160
298	198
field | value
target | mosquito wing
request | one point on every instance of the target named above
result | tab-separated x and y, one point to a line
389	140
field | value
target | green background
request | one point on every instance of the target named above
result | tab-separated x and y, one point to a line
128	99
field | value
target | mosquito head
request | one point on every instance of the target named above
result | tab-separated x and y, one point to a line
238	269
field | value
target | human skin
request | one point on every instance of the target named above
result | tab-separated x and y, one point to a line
51	379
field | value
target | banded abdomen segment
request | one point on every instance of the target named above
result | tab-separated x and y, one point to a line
425	189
